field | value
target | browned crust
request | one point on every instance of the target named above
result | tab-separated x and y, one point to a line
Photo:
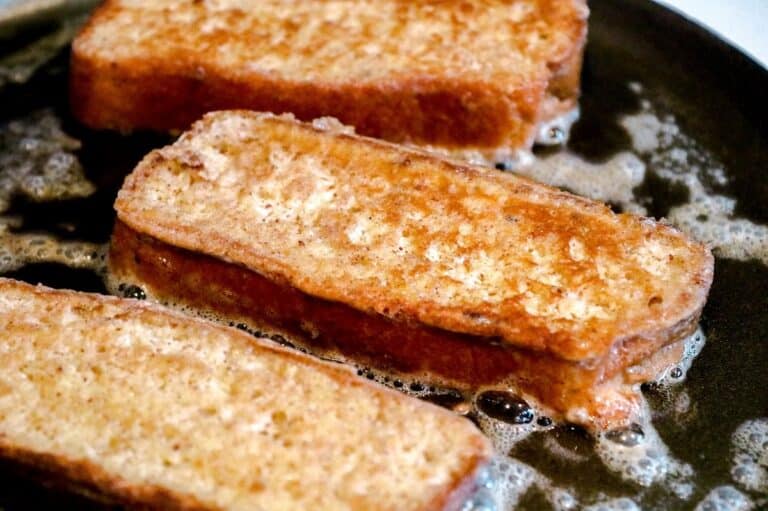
332	329
441	112
89	479
153	95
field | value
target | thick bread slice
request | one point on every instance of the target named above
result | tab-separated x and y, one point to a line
474	79
507	275
416	238
160	411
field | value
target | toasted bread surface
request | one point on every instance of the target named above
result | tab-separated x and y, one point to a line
472	77
161	411
415	238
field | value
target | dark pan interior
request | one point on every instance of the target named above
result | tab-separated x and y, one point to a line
718	97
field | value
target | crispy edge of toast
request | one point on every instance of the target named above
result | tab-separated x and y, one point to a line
89	479
688	305
470	120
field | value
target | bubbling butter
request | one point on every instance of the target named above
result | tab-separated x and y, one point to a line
38	161
749	468
725	498
18	250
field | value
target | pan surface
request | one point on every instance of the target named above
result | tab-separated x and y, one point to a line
674	123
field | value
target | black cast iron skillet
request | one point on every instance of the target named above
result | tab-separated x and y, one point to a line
718	96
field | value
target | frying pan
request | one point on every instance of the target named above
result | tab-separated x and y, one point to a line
718	98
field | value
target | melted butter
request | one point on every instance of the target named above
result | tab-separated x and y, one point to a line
612	181
749	465
18	250
725	498
38	161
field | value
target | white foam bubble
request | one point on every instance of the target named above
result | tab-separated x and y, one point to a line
37	161
18	250
749	468
503	435
506	480
512	479
636	87
709	218
611	181
649	133
693	344
646	462
557	130
725	498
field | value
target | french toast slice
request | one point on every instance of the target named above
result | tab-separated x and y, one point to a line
156	410
394	258
471	79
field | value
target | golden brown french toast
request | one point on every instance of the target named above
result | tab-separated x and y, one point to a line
473	79
394	258
156	410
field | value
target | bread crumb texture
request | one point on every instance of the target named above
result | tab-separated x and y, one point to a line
156	399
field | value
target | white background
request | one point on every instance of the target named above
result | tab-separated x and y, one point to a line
744	23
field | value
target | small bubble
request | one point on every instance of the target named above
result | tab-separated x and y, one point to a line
485	480
544	422
505	406
654	453
741	473
416	387
134	292
676	373
556	134
479	503
628	437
